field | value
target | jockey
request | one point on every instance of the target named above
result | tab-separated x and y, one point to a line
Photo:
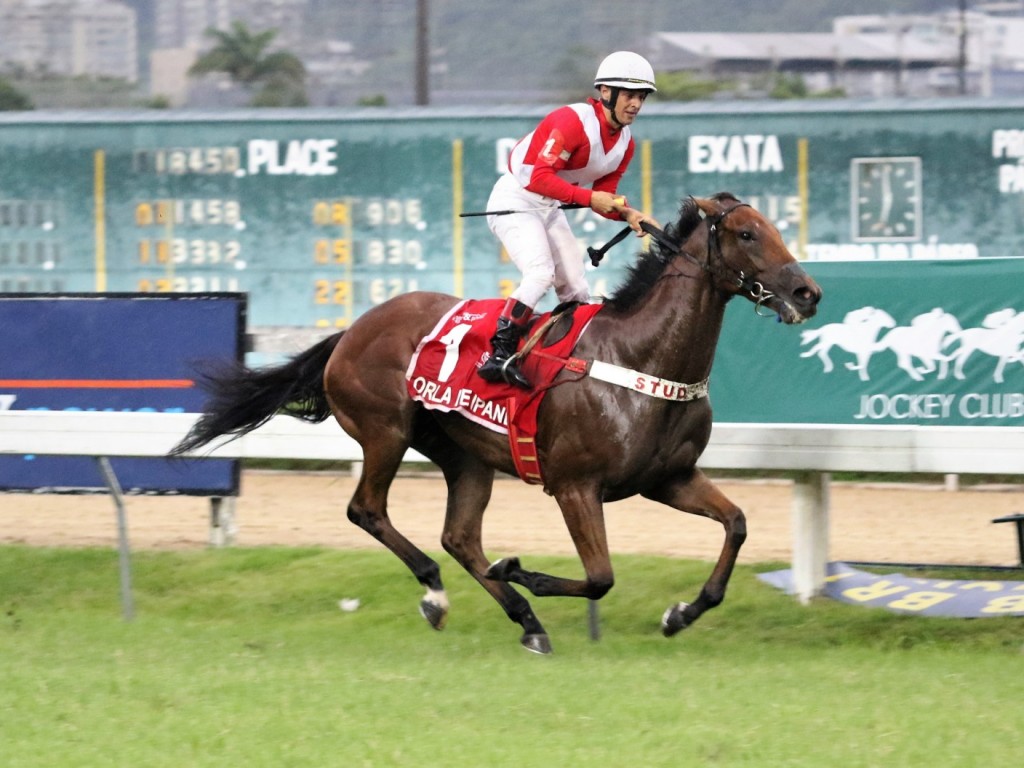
576	155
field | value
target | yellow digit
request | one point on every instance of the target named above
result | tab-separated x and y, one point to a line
342	251
321	213
144	251
339	212
321	291
505	288
320	249
144	214
342	289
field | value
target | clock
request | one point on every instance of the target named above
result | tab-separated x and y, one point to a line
886	199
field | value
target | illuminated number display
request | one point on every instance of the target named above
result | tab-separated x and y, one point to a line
317	220
189	213
181	161
189	251
31	253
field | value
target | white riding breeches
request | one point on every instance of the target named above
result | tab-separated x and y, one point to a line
539	242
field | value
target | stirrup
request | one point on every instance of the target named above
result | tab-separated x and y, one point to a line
512	375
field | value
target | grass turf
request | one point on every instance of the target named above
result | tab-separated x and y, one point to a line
242	657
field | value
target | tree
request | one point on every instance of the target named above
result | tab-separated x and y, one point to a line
242	55
11	99
686	86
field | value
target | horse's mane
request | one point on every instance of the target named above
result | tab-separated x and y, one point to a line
650	265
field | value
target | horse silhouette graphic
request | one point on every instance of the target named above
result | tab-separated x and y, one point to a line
929	344
923	339
857	334
1001	335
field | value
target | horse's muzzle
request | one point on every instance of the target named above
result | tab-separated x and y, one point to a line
798	295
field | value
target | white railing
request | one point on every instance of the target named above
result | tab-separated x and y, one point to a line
813	451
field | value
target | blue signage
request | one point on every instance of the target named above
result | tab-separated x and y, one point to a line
115	352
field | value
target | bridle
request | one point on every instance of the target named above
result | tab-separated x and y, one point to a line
738	277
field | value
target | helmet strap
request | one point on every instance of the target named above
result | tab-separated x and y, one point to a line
610	103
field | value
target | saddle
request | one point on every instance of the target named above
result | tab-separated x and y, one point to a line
442	373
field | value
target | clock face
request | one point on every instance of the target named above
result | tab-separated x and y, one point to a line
886	199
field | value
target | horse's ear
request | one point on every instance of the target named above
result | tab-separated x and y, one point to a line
704	206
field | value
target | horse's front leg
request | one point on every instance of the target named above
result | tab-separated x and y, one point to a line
699	496
584	516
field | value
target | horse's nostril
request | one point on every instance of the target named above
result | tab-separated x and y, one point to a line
808	296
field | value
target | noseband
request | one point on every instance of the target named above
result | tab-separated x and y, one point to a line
745	283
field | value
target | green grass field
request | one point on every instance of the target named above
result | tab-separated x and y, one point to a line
243	658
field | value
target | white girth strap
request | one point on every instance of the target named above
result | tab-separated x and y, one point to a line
643	384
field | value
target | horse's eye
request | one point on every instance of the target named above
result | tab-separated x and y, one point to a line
746	234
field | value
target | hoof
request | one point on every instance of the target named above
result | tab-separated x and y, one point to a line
674	619
435	615
499	570
536	644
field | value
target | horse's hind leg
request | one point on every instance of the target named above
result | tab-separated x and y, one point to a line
699	496
469	489
368	510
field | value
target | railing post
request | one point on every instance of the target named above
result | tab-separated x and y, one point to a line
123	547
810	534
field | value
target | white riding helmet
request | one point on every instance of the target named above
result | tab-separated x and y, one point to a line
625	69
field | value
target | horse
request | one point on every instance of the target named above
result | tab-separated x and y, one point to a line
597	442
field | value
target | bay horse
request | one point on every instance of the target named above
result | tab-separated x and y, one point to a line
597	442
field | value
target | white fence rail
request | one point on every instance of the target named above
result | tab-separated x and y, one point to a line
812	450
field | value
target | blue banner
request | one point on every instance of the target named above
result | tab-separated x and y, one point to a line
115	352
908	594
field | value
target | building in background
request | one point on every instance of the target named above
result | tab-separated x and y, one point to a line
978	53
988	41
95	38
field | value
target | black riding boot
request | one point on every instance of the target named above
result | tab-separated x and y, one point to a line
501	365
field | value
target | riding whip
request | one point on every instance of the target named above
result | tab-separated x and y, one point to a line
596	254
564	207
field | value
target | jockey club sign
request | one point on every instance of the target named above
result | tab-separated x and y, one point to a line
938	343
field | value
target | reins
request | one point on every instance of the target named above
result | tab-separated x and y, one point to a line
743	281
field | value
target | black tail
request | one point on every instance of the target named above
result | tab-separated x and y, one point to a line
242	399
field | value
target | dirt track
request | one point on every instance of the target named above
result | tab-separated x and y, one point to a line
891	524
